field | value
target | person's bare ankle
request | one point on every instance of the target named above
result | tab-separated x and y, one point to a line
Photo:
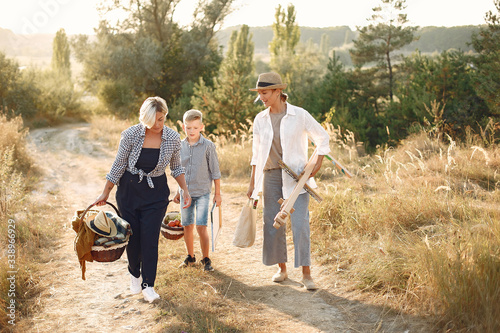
281	274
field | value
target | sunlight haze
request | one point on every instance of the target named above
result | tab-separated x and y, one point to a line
81	17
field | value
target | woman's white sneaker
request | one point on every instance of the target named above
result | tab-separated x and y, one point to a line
280	276
135	285
309	284
150	294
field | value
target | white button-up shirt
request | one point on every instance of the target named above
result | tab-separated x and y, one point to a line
295	128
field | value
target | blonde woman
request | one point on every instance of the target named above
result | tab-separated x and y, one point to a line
281	132
142	195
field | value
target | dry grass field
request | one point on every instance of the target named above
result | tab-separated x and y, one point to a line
415	233
417	228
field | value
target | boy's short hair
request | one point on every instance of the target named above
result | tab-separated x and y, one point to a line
191	115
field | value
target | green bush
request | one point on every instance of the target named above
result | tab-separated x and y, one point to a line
57	97
40	97
118	96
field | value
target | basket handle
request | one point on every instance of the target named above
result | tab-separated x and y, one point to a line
92	205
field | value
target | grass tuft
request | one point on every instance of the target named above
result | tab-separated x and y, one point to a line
419	227
24	234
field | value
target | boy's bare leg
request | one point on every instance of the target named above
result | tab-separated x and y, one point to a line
204	240
189	239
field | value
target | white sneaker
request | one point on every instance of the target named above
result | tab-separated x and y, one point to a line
150	294
309	284
135	285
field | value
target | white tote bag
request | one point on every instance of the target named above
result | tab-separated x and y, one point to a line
244	235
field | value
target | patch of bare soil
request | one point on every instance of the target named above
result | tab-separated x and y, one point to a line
74	170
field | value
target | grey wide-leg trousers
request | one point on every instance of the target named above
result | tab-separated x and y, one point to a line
274	247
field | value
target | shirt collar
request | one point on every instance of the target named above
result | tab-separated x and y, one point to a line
200	140
290	110
143	131
164	133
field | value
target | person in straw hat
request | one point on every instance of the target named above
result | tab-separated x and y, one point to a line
281	132
144	152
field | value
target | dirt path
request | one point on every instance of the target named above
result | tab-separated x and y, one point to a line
74	170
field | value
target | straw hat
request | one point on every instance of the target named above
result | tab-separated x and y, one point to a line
101	224
269	81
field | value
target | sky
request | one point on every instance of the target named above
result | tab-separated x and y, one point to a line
81	16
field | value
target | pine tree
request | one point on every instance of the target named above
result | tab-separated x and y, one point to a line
286	31
60	54
285	40
228	105
282	47
487	45
301	66
378	41
324	45
335	90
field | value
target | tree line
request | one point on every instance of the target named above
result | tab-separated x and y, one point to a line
382	97
430	39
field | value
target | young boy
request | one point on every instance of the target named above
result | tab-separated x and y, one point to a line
199	158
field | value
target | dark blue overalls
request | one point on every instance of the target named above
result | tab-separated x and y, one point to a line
144	208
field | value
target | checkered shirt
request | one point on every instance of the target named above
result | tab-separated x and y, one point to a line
130	148
201	164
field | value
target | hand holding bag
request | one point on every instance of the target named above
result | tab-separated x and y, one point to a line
244	235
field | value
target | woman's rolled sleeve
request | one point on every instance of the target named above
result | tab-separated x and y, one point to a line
318	134
255	143
121	160
175	161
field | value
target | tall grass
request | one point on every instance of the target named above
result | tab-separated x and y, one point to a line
234	151
15	210
419	228
464	271
15	163
107	129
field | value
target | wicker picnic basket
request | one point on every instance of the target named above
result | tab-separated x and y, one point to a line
109	248
108	254
172	233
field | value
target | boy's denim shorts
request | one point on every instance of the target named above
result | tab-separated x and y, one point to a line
201	205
